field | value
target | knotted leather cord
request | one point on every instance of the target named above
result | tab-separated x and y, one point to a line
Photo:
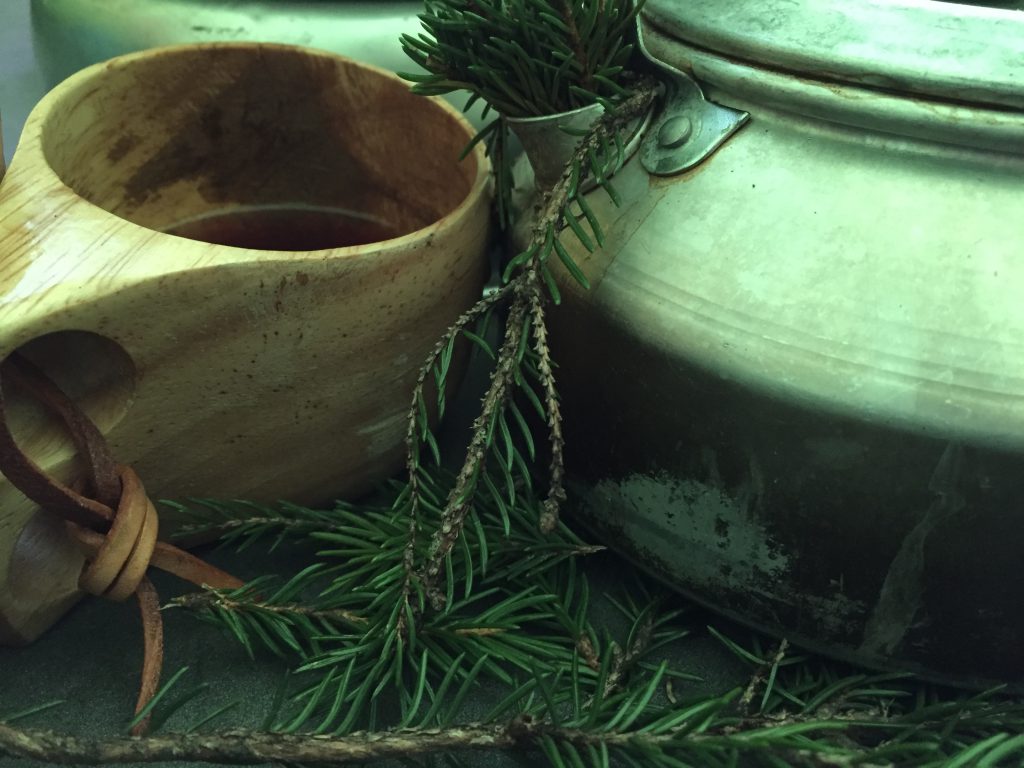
109	515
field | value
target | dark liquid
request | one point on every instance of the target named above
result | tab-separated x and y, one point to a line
284	228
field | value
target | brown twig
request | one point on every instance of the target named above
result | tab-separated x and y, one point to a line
556	488
198	601
758	678
587	653
460	498
412	440
480	631
579	50
243	747
622	661
202	533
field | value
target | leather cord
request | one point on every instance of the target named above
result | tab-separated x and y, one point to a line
108	514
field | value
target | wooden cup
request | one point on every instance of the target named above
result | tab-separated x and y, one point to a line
220	370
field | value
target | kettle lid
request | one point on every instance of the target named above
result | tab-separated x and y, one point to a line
932	48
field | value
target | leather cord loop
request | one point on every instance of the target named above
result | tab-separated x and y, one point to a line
116	524
100	466
121	560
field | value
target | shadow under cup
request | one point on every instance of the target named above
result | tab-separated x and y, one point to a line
258	146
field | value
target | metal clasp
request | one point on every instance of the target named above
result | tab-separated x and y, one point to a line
689	127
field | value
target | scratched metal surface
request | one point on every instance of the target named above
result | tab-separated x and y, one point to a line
860	517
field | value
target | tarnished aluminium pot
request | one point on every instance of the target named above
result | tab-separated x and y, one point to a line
796	388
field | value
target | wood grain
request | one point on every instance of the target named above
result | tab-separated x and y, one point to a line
215	370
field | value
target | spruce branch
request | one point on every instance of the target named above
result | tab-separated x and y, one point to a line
554	205
277	621
524	58
240	747
417	423
418	427
527	289
703	734
460	498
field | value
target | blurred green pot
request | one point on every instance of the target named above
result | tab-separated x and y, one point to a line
73	34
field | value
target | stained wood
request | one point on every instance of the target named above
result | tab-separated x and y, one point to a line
217	370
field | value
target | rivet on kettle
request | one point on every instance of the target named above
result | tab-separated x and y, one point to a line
674	132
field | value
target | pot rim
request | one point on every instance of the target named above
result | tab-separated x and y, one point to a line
553	117
960	53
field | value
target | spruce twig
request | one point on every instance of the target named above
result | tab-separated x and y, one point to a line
623	660
577	45
198	601
460	498
556	492
416	428
763	672
792	739
241	747
610	124
243	522
526	318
